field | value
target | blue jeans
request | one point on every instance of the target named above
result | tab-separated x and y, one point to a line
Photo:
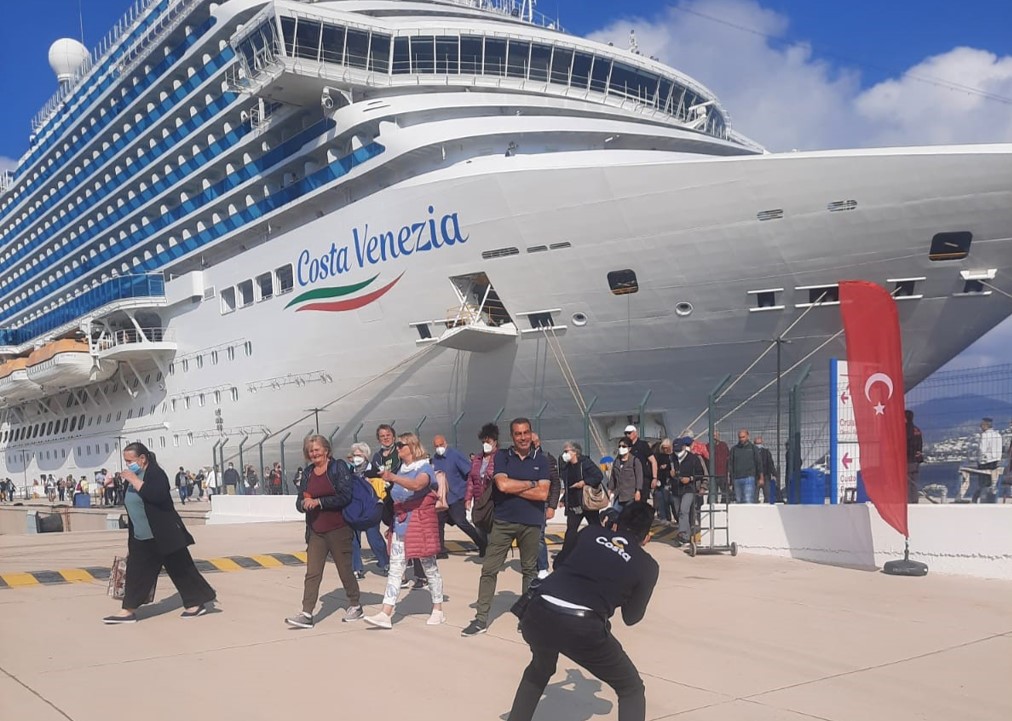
744	489
376	543
663	503
182	493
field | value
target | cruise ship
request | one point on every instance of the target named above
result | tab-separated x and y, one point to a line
240	221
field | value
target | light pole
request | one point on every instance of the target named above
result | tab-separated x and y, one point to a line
316	415
779	340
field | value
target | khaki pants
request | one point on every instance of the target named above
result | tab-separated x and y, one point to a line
338	544
500	540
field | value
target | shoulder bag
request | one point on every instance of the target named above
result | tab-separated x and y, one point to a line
483	510
594	497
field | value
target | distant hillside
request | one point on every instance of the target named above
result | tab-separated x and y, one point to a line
942	418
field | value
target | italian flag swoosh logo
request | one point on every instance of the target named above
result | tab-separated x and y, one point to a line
322	298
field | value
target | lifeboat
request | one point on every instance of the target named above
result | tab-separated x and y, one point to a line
66	364
15	385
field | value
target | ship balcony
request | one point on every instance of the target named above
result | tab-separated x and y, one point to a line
129	292
136	343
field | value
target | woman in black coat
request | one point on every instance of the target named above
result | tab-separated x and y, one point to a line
157	538
577	471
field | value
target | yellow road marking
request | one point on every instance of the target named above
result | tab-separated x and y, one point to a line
267	561
20	579
224	564
76	575
301	555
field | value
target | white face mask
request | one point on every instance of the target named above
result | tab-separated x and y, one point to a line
486	447
440	450
358	460
623	451
567	457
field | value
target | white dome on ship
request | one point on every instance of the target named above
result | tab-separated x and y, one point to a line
66	57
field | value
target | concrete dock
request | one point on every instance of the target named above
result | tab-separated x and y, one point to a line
755	638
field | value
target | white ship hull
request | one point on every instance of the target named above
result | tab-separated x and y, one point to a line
687	228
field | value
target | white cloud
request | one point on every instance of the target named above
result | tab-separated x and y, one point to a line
784	97
7	163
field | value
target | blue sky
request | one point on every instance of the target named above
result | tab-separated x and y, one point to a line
793	73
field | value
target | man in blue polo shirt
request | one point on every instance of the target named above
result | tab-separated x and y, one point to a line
521	489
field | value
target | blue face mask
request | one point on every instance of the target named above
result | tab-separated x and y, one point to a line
134	467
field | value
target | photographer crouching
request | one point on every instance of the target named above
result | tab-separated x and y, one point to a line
569	612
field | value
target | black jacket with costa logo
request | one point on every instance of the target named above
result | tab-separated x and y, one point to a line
605	570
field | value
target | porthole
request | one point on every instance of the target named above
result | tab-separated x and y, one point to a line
579	319
683	309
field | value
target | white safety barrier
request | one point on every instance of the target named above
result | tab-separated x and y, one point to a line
252	509
963	539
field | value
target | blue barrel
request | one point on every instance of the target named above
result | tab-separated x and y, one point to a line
82	500
813	486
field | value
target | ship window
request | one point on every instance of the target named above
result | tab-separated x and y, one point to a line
379	54
307	39
423	331
172	369
904	288
447	56
541	58
200	361
423	55
288	32
265	286
119	416
518	59
950	246
172	403
186	402
49	428
227	305
402	57
633	83
357	50
217	398
234	393
581	70
973	286
130	414
664	95
333	44
186	364
495	57
245	289
286	280
161	441
108	417
562	61
623	282
73	424
175	441
189	439
248	347
200	400
599	75
214	357
470	55
823	295
230	352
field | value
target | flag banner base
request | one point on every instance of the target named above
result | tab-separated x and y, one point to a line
906	567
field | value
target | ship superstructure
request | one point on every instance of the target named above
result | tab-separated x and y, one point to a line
236	216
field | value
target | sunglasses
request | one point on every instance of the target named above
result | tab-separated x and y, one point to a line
400	444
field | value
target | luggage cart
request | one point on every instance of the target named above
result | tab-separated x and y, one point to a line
710	524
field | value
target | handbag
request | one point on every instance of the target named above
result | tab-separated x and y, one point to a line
483	510
117	580
594	497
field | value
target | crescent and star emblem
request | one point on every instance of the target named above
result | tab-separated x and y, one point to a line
872	380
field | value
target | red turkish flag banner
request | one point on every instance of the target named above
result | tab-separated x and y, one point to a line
875	366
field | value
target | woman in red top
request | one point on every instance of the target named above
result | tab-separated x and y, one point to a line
325	490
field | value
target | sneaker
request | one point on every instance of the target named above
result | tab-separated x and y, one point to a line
353	613
474	628
300	620
420	583
407	583
360	575
379	620
542	575
443	555
193	614
132	618
437	618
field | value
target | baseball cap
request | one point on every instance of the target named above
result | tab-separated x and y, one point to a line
630	428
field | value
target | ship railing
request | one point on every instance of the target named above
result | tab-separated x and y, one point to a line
522	10
173	18
6	181
129	336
